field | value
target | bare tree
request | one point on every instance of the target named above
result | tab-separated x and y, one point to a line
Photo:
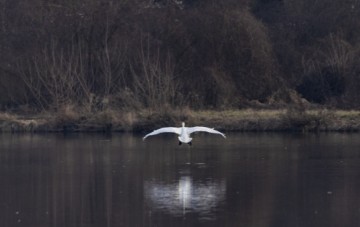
154	80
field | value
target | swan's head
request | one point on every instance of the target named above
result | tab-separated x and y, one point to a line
183	124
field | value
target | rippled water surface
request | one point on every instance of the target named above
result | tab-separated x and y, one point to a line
252	180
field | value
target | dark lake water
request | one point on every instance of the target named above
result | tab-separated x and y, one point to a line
252	180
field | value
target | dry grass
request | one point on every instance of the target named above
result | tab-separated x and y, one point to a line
15	123
67	119
347	113
252	120
239	114
6	117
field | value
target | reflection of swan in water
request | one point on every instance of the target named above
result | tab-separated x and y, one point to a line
185	196
184	132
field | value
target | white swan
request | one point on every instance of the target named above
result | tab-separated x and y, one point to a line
184	132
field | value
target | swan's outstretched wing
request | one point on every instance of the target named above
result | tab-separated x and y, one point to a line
163	130
204	129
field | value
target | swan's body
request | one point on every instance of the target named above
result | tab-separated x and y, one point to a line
184	132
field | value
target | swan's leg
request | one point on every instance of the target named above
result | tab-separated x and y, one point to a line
180	143
190	143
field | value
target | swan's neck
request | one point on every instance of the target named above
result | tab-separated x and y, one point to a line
183	124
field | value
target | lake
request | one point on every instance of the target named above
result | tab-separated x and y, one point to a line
248	179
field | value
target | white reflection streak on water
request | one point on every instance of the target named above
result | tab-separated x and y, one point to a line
185	196
184	192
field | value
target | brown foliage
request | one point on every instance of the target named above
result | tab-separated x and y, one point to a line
166	53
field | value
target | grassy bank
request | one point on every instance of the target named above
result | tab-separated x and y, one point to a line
230	120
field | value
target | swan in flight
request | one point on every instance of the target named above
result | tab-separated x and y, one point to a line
184	132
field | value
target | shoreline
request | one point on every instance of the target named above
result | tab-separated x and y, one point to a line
245	120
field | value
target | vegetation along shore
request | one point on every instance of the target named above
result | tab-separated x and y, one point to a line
229	120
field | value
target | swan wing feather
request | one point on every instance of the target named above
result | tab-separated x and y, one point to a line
164	130
204	129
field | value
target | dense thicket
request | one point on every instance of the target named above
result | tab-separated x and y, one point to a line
164	53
